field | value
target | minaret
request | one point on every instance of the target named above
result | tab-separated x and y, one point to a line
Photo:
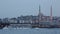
39	15
39	10
51	15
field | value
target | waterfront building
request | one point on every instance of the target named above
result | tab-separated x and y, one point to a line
39	19
5	20
13	20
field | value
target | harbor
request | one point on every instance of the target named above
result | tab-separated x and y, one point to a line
39	21
29	16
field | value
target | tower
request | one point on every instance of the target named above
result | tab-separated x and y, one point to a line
40	14
39	10
51	14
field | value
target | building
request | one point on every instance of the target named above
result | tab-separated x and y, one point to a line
13	20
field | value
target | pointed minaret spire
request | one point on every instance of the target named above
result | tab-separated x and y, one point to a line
39	10
51	13
39	15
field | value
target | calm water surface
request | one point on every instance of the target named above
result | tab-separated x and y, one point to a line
31	31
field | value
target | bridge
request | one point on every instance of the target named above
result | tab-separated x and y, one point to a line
32	25
2	25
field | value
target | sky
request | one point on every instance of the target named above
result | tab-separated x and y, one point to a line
15	8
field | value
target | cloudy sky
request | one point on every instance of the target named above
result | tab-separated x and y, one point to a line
15	8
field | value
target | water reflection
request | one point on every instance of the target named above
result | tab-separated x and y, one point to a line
31	31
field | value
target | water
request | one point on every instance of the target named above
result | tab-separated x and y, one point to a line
31	31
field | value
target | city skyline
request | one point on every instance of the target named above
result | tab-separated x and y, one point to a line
13	8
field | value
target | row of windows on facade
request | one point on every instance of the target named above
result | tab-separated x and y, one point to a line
29	19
